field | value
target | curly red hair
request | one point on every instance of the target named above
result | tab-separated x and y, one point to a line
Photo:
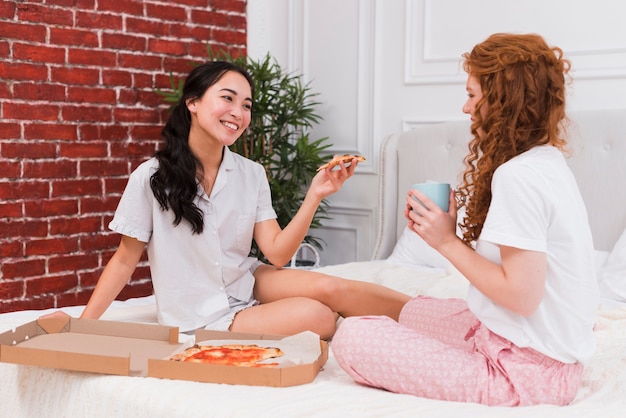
523	87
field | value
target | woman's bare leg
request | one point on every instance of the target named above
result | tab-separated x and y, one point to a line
347	297
287	317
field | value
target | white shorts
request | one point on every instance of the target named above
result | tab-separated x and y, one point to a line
223	323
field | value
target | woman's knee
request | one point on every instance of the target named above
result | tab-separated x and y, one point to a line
326	323
319	318
328	288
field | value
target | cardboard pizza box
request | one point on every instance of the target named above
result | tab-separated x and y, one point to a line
286	375
131	349
88	345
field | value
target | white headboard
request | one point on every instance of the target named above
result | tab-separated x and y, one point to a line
435	152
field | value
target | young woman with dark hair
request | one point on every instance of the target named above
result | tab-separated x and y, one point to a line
196	206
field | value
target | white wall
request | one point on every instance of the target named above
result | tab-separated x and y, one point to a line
383	66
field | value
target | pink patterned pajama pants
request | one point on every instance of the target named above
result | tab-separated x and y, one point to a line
439	350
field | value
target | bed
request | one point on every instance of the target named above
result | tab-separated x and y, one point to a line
428	152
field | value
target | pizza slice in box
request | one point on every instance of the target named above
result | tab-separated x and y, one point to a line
247	355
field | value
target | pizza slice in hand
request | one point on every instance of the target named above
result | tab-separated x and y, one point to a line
337	159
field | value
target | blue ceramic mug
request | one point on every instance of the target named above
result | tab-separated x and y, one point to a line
437	192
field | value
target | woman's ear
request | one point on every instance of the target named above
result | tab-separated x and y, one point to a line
191	105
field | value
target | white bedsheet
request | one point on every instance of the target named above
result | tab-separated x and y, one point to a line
27	391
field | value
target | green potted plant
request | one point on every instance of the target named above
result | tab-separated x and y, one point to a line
278	137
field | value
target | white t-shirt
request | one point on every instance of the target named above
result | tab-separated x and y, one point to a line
194	274
536	205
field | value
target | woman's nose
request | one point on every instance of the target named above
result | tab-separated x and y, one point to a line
235	112
466	108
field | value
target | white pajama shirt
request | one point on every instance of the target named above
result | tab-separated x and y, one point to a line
194	275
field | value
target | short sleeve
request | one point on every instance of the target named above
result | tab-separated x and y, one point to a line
520	210
133	216
265	210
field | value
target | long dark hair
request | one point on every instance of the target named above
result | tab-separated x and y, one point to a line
175	183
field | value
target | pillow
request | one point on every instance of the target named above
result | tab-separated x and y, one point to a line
612	279
412	249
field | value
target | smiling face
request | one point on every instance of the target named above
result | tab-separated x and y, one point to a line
222	113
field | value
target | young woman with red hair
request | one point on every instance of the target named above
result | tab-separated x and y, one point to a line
526	327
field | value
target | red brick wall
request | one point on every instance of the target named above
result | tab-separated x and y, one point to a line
78	112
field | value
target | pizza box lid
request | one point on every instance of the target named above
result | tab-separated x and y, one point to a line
89	345
288	375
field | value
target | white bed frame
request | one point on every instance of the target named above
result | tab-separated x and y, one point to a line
598	160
